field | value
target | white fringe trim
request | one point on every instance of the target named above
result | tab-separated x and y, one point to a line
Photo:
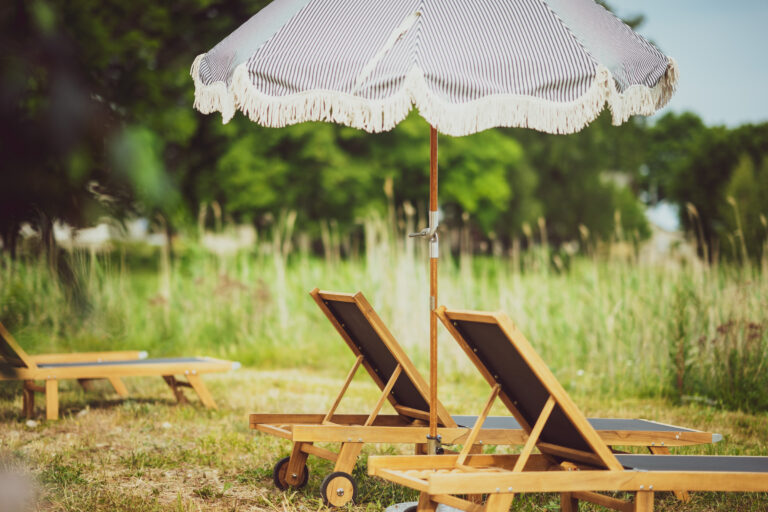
505	110
216	97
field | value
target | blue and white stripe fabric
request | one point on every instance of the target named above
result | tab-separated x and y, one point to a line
467	65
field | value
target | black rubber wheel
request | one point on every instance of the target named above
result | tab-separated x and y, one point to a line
278	475
412	508
338	489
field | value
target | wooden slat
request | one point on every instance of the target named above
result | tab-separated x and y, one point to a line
317	451
117	370
85	357
401	478
334	296
316	419
598	480
401	434
275	431
535	433
605	501
571	454
653	437
471	316
536	462
412	413
385	393
476	428
344	387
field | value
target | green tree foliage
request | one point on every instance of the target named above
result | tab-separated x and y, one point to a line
96	104
702	167
582	178
745	209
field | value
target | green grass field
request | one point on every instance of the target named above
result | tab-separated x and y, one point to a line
684	344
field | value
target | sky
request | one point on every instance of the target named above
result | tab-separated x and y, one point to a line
721	50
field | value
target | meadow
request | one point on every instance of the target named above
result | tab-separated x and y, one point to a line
677	342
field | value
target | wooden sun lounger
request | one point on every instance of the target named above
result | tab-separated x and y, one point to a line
16	364
572	460
402	385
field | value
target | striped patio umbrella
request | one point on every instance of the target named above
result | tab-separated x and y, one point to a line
467	65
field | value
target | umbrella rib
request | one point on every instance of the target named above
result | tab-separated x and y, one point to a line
396	35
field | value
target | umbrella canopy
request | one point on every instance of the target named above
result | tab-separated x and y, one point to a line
467	65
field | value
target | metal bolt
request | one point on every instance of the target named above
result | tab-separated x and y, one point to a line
650	487
662	443
339	492
498	489
653	444
360	440
509	489
642	486
480	442
186	372
677	436
474	350
349	439
294	475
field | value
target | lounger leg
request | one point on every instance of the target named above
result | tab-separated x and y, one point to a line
86	384
568	503
663	450
52	399
644	501
28	394
174	385
426	504
119	386
348	457
202	391
294	473
420	449
475	498
499	502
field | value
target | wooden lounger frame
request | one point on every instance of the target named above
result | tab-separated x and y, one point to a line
16	364
354	430
576	474
409	425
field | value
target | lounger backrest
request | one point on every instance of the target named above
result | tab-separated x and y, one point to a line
504	356
11	353
366	335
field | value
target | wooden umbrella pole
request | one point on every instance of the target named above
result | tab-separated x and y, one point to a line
433	255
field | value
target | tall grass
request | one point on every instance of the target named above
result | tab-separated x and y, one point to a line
605	322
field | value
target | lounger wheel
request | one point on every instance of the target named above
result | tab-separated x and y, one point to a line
279	475
338	489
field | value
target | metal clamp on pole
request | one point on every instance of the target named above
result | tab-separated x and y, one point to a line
435	445
430	234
